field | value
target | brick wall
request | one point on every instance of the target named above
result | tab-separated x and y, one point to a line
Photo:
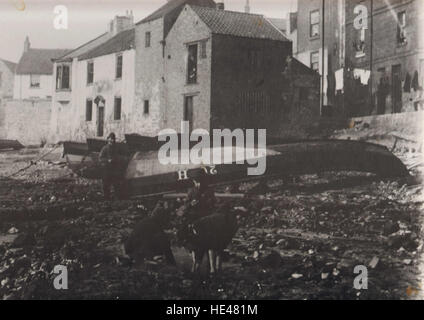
27	120
387	53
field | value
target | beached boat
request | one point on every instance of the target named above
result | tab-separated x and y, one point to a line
145	174
10	145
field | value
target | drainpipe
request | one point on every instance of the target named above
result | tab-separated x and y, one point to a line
323	57
371	51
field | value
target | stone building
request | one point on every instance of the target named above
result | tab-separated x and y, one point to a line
366	69
323	52
392	48
189	60
7	76
34	73
94	88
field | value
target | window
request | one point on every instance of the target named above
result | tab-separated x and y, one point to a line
146	107
315	61
35	81
359	44
63	77
148	39
401	36
119	67
314	23
89	110
192	64
117	109
90	72
1	74
203	53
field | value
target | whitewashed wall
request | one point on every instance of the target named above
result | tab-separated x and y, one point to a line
69	107
23	90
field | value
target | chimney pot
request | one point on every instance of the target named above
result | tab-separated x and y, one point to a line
27	44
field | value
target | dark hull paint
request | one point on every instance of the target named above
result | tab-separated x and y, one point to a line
302	157
10	144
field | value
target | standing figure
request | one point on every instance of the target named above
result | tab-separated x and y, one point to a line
112	175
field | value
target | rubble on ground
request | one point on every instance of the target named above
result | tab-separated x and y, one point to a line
299	239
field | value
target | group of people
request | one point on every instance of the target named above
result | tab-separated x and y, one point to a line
203	228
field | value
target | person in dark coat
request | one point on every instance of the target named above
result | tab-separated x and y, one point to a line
112	176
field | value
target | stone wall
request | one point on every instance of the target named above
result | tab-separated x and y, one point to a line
27	120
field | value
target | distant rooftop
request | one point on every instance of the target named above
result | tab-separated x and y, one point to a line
172	5
281	24
238	24
121	42
75	53
39	61
10	65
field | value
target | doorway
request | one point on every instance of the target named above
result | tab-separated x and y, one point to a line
100	102
188	111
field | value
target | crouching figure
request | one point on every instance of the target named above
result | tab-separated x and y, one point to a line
148	238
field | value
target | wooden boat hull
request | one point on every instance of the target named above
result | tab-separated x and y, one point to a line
145	175
303	157
10	144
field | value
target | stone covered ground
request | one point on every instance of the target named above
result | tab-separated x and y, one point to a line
297	240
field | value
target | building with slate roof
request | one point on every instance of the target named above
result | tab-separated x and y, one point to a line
94	89
34	72
189	60
223	69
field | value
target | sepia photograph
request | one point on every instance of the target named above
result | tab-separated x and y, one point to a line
211	150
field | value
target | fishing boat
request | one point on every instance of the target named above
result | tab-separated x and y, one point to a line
83	158
145	175
10	145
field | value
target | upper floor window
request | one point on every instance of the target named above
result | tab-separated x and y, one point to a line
63	77
35	81
315	61
119	66
148	38
314	23
90	72
117	108
401	36
359	44
192	64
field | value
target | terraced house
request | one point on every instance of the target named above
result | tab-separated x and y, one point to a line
189	60
94	88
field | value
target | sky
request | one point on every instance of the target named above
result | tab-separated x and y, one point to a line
88	19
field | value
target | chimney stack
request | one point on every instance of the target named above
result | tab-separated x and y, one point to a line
121	23
220	5
27	44
247	7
